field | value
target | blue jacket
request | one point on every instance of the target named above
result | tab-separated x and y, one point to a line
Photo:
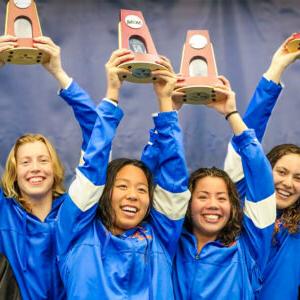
29	245
232	272
137	264
281	278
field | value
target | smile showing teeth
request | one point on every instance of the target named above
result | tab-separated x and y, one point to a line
35	179
283	193
211	217
129	209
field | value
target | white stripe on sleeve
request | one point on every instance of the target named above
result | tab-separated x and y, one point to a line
84	193
172	205
262	213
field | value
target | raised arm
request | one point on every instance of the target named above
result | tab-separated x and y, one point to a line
260	108
79	209
171	194
259	202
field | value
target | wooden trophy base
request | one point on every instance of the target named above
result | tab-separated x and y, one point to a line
294	45
141	68
24	56
200	93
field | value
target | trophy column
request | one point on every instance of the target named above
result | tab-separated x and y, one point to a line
199	70
134	35
22	21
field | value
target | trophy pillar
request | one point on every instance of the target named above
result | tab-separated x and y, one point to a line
22	21
199	70
134	35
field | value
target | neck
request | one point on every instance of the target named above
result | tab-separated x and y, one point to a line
203	239
40	207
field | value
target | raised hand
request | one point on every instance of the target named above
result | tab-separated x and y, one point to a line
228	104
281	59
7	42
164	84
114	74
54	65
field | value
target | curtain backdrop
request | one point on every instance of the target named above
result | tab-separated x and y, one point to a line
244	33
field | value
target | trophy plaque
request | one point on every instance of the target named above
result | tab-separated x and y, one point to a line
199	70
294	44
134	35
22	21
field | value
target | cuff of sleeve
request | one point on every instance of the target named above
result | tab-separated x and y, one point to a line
109	107
164	118
270	86
67	88
110	101
244	139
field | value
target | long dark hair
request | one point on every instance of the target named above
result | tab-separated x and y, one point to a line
105	211
290	215
234	225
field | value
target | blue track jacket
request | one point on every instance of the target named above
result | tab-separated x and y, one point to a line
232	272
94	263
29	246
281	278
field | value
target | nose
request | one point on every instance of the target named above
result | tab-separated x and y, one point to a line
287	181
212	203
35	166
132	194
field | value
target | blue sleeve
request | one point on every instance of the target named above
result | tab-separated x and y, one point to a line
261	105
259	202
79	209
84	109
171	194
256	117
151	152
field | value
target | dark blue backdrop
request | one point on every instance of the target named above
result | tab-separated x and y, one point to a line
244	33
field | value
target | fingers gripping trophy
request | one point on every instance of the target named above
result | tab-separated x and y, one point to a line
22	22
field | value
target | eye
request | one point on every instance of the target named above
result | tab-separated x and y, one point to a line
222	199
202	198
25	162
281	172
122	187
142	190
297	178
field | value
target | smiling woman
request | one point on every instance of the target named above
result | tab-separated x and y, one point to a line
32	191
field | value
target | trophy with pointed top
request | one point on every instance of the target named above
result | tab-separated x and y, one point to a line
199	70
134	35
22	21
294	44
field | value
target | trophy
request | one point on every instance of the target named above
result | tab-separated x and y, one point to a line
134	35
294	44
199	70
22	21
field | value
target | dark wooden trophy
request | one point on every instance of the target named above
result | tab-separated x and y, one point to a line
199	70
134	35
294	44
23	22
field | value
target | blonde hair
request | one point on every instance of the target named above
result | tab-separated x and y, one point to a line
9	178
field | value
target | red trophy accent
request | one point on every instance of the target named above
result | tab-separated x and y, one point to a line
23	22
134	35
294	44
198	67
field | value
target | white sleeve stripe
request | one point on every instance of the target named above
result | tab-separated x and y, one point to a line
233	164
172	205
83	192
262	213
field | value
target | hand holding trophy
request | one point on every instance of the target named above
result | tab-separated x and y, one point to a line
22	22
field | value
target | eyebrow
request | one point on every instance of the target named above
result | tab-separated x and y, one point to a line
127	180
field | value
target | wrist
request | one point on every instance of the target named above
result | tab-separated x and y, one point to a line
228	115
112	94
